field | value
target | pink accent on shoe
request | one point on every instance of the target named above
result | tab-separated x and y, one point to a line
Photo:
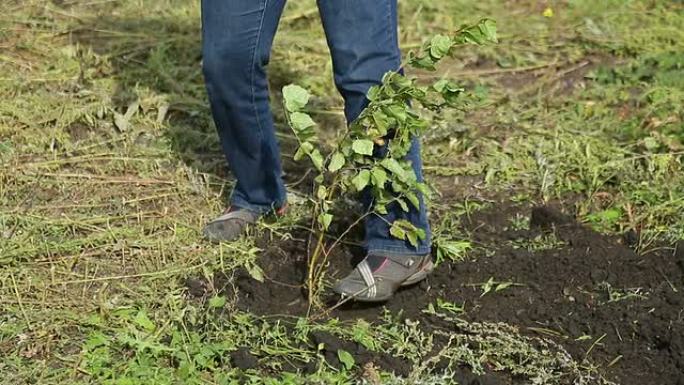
382	265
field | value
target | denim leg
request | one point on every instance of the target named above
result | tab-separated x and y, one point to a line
362	36
237	36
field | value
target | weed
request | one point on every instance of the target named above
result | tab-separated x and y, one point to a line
616	295
540	242
520	222
447	306
493	286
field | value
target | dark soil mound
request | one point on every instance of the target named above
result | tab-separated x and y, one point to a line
590	293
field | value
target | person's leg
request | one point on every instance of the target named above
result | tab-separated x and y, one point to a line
362	36
236	42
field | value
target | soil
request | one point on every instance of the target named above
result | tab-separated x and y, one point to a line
560	292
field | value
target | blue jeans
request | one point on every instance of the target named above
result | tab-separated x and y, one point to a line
237	36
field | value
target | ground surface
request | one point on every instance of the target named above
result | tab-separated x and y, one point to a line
558	213
561	281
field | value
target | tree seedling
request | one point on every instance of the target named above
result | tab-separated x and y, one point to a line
369	157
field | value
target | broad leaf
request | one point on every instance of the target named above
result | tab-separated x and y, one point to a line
397	231
336	162
346	359
361	180
301	121
141	319
255	271
379	177
217	301
321	193
391	165
440	46
488	30
403	229
324	219
316	158
295	97
363	146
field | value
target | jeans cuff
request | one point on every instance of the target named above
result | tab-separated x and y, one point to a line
398	247
237	201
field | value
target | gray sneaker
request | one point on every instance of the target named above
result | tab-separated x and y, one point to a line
378	277
230	225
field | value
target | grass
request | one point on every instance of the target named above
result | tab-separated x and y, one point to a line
109	166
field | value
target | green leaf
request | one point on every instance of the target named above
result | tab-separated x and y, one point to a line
448	89
381	208
299	154
394	167
95	340
403	205
488	30
440	85
422	62
397	231
255	271
611	215
503	286
141	319
361	180
324	219
317	159
307	147
450	307
346	359
336	162
363	146
440	46
412	238
379	177
381	121
301	121
374	93
217	301
321	193
295	97
424	189
487	286
452	250
403	229
398	112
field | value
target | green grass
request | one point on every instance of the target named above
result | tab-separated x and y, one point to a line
101	209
